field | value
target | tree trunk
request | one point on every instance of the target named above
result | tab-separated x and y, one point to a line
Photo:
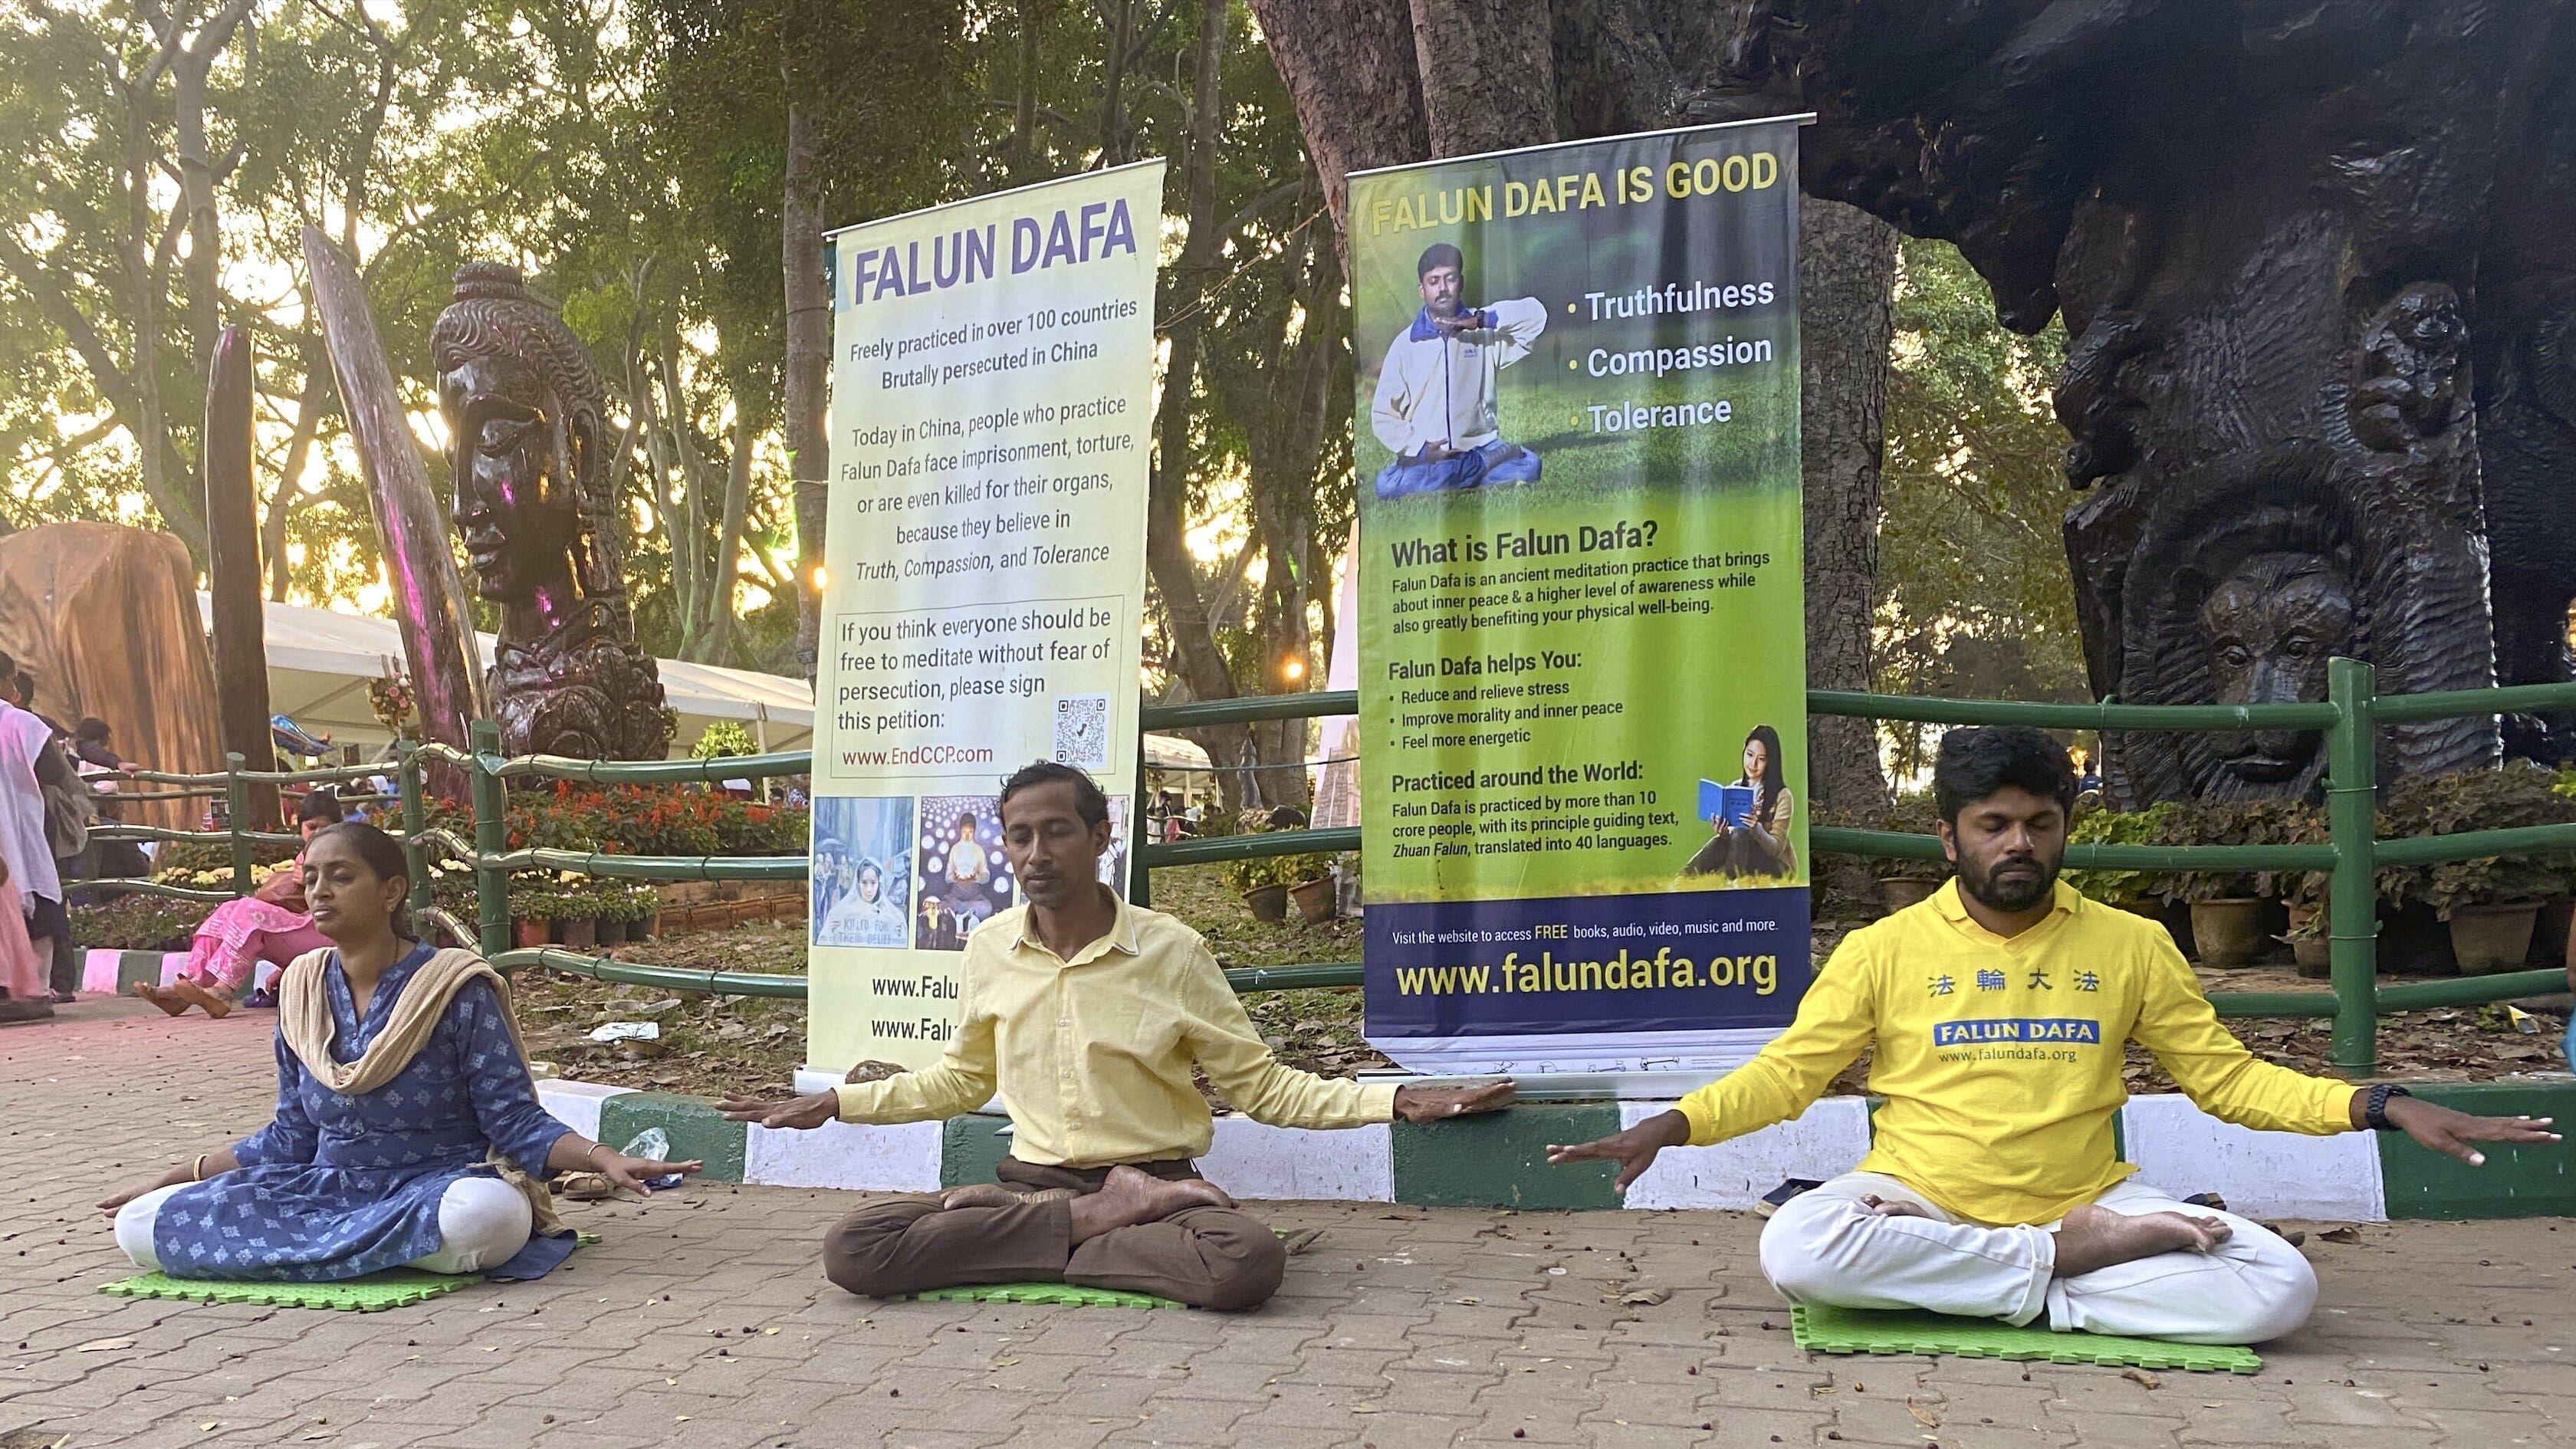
1349	69
309	412
1488	73
1024	102
232	563
1846	284
1113	111
809	360
728	559
1197	660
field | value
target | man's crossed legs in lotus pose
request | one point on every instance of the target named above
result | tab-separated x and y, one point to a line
1088	1015
1997	1011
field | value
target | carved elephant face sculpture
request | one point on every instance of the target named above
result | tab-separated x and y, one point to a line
2269	626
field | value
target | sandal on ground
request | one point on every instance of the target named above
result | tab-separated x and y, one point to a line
585	1187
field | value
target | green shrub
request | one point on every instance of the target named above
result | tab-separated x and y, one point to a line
136	923
2518	795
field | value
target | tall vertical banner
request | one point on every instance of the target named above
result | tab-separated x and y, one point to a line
992	409
1582	631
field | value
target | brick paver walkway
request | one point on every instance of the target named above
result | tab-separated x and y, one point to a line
702	1320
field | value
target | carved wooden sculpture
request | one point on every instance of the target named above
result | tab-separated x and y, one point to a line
2314	260
536	505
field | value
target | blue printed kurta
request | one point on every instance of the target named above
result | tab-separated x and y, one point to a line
341	1186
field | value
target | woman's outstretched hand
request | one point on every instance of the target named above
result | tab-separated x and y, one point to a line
109	1205
631	1174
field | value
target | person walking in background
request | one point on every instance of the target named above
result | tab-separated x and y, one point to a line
26	757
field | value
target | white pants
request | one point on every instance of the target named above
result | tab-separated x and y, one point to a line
1825	1246
483	1222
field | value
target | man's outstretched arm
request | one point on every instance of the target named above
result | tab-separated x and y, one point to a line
2178	1024
961	1081
1270	1091
1837	1019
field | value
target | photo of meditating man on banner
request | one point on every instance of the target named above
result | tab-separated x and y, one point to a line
1434	407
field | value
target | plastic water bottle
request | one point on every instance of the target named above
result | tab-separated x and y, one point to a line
653	1144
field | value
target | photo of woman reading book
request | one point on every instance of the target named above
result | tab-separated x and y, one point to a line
1758	841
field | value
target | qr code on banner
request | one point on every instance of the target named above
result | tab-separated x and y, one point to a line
1082	730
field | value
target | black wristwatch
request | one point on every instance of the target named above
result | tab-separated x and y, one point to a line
2374	1108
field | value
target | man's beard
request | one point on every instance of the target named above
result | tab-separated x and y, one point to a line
2013	893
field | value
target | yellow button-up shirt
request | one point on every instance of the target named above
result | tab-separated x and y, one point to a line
1092	1056
1999	1058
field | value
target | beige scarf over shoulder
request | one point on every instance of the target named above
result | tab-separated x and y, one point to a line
304	1019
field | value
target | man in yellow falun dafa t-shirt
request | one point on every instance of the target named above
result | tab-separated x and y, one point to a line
1998	1011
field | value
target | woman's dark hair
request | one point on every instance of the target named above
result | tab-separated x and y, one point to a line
1088	801
320	805
379	853
1775	774
1974	763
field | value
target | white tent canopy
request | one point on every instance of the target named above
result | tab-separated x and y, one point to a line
319	663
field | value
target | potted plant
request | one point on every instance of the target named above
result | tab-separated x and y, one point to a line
611	903
1264	881
2488	905
1902	883
2129	890
2230	909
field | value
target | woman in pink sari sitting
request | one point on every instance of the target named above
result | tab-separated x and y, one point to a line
269	925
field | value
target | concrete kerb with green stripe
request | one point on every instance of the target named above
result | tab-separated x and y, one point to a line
1499	1161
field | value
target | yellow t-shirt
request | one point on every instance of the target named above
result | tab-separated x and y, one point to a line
1093	1056
1999	1059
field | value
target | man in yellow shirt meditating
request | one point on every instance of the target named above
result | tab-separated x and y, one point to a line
1997	1011
1088	1014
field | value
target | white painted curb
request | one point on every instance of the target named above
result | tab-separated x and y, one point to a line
902	1158
576	1104
2184	1150
1828	1139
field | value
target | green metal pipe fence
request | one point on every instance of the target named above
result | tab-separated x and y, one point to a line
2350	718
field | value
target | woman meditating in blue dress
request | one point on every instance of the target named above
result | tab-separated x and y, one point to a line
407	1130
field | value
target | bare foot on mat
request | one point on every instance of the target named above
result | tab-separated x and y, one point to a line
2094	1237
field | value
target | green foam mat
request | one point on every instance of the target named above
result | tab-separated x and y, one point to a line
392	1288
1062	1294
1823	1329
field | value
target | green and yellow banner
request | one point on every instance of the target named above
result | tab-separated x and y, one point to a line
1582	644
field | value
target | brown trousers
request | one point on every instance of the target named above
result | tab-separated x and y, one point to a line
1206	1257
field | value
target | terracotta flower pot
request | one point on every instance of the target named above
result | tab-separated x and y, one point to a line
528	935
1314	899
1268	903
2228	931
1900	891
2491	937
2315	954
